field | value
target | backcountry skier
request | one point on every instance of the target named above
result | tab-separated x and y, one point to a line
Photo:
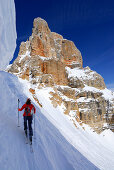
29	109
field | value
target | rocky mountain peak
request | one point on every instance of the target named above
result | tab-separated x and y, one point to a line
40	27
49	60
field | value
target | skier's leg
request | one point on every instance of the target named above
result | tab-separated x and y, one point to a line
30	128
25	124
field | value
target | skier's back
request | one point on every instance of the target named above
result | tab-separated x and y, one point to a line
29	108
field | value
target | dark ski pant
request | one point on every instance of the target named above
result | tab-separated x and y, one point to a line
29	120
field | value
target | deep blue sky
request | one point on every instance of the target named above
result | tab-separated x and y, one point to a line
88	23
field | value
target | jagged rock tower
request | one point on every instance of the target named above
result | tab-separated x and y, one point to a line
49	60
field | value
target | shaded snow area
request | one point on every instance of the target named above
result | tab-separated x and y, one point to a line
52	150
8	33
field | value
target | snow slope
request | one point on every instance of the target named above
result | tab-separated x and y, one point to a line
99	149
96	148
51	149
8	33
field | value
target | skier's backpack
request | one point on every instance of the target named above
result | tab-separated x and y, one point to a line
32	111
27	110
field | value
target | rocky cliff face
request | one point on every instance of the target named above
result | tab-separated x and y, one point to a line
49	60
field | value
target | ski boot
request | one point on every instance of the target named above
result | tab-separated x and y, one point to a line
30	138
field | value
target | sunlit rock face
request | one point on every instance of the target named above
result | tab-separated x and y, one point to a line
50	50
7	32
49	60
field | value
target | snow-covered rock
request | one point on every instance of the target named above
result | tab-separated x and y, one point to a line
8	33
85	76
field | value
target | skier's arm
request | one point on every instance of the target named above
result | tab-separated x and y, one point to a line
22	108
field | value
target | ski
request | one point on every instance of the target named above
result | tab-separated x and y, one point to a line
30	142
26	137
31	148
26	140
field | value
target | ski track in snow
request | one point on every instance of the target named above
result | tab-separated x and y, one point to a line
53	149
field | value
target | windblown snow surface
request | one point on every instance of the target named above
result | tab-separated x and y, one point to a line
58	144
8	33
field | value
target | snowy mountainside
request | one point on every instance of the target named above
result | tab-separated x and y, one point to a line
96	148
96	104
51	149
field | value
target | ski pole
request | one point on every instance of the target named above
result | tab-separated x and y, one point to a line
34	127
18	113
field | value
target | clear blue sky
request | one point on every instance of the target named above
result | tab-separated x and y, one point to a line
88	23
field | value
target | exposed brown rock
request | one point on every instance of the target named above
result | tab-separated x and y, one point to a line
75	83
37	47
67	91
34	96
32	91
57	69
47	80
111	122
56	99
24	47
70	105
89	94
95	113
71	55
40	26
25	74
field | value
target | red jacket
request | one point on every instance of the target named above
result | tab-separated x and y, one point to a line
30	106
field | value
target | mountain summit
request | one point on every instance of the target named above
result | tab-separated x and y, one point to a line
49	60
